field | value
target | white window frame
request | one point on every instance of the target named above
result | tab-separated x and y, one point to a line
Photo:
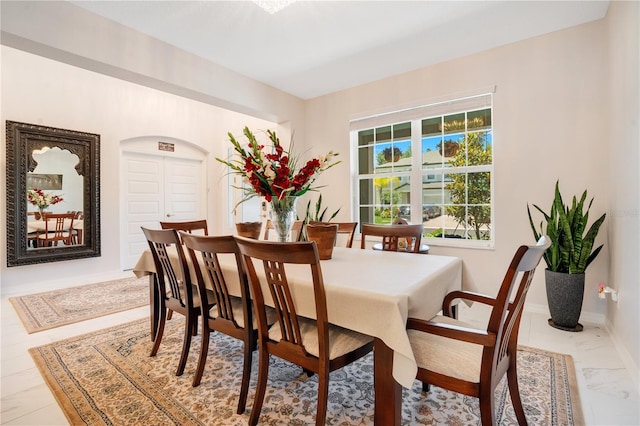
415	115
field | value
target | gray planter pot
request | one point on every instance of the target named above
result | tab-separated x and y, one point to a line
564	297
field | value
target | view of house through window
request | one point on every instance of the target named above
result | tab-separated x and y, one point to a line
434	169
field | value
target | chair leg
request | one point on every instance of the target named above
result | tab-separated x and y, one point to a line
204	349
159	331
487	406
263	375
170	314
514	391
186	344
426	387
246	376
323	396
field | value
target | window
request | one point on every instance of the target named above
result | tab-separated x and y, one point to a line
432	164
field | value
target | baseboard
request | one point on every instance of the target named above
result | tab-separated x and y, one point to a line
587	317
624	354
55	284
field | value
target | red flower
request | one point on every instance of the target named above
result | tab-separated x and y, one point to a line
273	173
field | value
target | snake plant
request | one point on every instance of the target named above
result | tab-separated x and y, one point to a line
317	215
570	250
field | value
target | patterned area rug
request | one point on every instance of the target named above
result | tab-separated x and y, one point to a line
43	311
107	377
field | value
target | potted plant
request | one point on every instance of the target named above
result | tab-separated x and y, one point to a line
316	215
568	256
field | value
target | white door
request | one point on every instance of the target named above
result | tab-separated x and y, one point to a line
158	189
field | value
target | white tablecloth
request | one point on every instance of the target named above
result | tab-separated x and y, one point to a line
372	292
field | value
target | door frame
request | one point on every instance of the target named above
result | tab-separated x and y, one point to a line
151	146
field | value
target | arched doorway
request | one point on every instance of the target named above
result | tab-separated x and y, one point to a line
161	179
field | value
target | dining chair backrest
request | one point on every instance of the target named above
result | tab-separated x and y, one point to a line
173	278
392	236
273	258
505	316
209	248
187	226
344	228
58	227
296	229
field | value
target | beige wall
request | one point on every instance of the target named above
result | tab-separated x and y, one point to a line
42	91
624	178
550	122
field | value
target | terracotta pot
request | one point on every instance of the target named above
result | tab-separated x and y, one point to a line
325	237
249	229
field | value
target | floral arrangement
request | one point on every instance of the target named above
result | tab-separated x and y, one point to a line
273	174
42	199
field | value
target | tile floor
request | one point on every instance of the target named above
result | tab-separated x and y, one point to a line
608	395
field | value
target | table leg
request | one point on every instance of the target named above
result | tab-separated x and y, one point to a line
388	392
154	307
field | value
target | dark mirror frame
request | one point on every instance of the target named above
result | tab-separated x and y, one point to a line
22	139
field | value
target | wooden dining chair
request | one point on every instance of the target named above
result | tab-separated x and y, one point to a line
455	356
392	236
315	345
223	312
297	227
344	228
187	226
58	227
175	290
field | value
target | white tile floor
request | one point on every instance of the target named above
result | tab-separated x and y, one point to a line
608	394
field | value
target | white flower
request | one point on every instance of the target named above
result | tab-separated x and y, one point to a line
269	173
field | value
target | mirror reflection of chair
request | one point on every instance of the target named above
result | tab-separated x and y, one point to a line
315	345
296	230
456	356
58	227
394	237
344	228
175	290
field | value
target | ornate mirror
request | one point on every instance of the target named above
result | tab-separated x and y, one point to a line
51	171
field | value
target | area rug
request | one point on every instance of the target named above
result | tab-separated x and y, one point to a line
107	378
43	311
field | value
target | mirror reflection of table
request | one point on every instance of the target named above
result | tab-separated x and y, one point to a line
369	291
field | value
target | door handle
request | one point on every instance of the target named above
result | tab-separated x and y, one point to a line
169	215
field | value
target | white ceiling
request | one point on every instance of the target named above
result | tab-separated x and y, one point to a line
312	48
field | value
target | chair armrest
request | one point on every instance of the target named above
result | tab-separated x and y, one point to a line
465	295
465	334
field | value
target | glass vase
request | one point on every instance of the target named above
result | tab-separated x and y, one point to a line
282	216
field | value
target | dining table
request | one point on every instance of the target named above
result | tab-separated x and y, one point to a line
369	291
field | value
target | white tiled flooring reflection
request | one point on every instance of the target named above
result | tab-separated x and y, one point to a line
607	392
